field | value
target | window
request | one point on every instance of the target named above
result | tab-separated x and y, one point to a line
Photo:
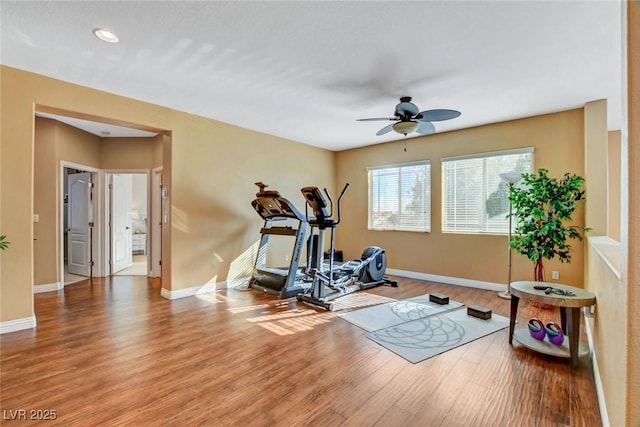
400	197
475	197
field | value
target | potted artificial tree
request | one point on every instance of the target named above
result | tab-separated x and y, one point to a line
542	207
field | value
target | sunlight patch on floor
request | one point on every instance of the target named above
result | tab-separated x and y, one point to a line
303	317
293	322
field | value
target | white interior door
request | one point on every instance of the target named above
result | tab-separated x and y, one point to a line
121	233
79	211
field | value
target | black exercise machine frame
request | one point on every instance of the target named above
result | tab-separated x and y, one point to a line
350	277
271	207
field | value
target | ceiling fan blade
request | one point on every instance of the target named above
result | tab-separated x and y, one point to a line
406	108
425	128
385	129
437	115
376	119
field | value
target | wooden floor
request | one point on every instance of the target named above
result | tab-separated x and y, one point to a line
113	352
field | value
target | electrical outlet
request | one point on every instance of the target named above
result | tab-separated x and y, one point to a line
555	275
286	258
36	218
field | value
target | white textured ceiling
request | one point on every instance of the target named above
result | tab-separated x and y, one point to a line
306	70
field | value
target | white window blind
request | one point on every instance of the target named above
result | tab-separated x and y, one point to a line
400	197
475	197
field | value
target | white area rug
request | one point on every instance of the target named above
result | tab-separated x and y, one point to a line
429	336
396	312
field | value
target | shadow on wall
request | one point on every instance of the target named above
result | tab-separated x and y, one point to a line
179	219
242	267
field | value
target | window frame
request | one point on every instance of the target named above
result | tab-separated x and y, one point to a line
426	219
483	222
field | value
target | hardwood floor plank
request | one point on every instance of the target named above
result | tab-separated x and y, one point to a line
114	352
394	417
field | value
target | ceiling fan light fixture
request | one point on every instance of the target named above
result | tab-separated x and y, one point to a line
408	118
105	35
406	127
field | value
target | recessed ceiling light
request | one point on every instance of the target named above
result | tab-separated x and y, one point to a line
105	35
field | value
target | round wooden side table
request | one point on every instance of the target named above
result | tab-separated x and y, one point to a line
569	318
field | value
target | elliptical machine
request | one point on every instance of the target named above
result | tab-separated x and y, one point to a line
354	275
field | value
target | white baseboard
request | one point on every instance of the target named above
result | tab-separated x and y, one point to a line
180	293
17	325
211	287
458	281
604	416
47	287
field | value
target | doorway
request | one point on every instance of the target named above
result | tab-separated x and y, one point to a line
129	220
57	135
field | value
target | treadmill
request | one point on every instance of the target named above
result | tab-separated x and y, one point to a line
281	282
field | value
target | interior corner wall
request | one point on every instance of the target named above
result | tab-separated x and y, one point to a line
558	142
212	186
76	146
209	169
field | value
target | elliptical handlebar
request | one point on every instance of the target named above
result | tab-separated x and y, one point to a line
326	192
342	193
322	208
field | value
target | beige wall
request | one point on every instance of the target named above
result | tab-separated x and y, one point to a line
209	168
558	142
128	153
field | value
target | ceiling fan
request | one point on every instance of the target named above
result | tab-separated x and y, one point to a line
408	118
